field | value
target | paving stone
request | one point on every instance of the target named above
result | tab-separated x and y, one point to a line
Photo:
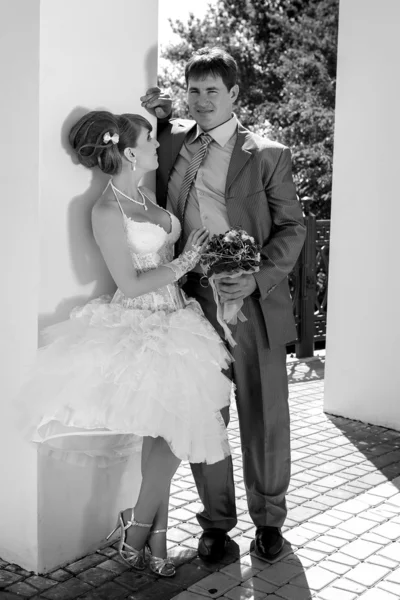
357	525
326	520
181	514
134	580
214	586
348	585
21	589
315	578
240	571
160	590
391	587
320	547
68	590
331	593
260	585
96	576
381	561
360	549
312	555
300	514
114	566
59	575
367	574
108	591
92	560
373	515
391	551
107	551
189	574
253	561
241	593
394	576
292	592
281	573
181	555
335	567
377	594
186	595
7	578
316	528
40	583
18	570
390	531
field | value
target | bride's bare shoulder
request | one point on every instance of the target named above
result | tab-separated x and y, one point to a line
105	212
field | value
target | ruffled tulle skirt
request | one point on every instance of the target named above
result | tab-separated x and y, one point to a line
128	373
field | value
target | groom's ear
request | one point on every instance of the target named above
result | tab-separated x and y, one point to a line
234	92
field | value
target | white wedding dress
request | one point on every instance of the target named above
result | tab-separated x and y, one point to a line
123	367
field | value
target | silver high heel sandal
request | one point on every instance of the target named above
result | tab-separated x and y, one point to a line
160	566
134	558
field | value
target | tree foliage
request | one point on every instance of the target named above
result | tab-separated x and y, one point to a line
286	54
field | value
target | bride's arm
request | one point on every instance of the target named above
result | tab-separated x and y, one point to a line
109	233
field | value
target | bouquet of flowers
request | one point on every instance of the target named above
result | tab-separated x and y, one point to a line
230	254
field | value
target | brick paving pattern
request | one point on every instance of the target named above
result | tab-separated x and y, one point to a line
342	532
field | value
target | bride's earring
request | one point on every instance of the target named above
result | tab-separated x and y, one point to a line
133	164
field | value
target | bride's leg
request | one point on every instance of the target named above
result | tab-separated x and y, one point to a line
159	466
158	542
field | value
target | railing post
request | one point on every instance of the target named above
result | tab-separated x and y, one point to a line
305	346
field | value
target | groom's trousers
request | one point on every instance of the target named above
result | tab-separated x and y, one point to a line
260	376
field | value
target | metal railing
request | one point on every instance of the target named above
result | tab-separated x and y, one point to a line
309	284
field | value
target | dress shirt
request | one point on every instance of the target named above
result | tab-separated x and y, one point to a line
206	206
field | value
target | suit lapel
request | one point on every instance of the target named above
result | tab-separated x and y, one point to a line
179	132
240	155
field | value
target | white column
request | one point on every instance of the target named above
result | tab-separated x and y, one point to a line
58	60
362	371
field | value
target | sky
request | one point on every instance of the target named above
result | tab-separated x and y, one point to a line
177	9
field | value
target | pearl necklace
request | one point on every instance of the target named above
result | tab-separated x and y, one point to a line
141	203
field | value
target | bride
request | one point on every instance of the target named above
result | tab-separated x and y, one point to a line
147	363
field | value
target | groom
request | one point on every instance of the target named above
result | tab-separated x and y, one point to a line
215	173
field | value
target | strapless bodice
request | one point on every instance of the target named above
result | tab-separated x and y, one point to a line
150	246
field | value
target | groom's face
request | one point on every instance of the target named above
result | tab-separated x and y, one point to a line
210	102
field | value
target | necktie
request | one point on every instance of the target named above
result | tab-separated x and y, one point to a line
190	175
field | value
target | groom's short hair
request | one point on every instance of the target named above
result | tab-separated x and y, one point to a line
212	61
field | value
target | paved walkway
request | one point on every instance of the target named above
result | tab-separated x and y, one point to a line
342	531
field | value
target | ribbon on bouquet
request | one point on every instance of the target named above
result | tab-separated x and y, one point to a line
229	311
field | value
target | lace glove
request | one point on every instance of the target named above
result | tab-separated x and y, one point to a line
184	263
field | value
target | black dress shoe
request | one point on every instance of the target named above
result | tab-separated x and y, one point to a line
268	542
212	544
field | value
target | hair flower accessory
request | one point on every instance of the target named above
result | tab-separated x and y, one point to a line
111	138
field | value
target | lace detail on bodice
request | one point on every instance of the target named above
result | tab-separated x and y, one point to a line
150	246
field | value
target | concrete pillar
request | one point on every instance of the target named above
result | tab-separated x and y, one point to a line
362	372
58	60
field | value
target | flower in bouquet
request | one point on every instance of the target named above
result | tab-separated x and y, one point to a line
230	254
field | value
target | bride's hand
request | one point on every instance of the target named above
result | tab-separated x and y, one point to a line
197	240
157	103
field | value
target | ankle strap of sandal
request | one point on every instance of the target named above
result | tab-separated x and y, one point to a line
158	531
133	523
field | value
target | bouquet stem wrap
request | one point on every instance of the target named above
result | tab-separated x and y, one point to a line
229	311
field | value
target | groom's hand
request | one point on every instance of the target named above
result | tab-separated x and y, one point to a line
232	288
157	103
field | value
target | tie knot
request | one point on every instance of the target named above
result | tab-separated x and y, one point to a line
205	139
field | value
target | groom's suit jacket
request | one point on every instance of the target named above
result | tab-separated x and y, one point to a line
260	198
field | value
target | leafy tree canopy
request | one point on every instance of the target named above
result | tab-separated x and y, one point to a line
286	54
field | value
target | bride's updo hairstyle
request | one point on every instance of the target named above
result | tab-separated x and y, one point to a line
100	138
